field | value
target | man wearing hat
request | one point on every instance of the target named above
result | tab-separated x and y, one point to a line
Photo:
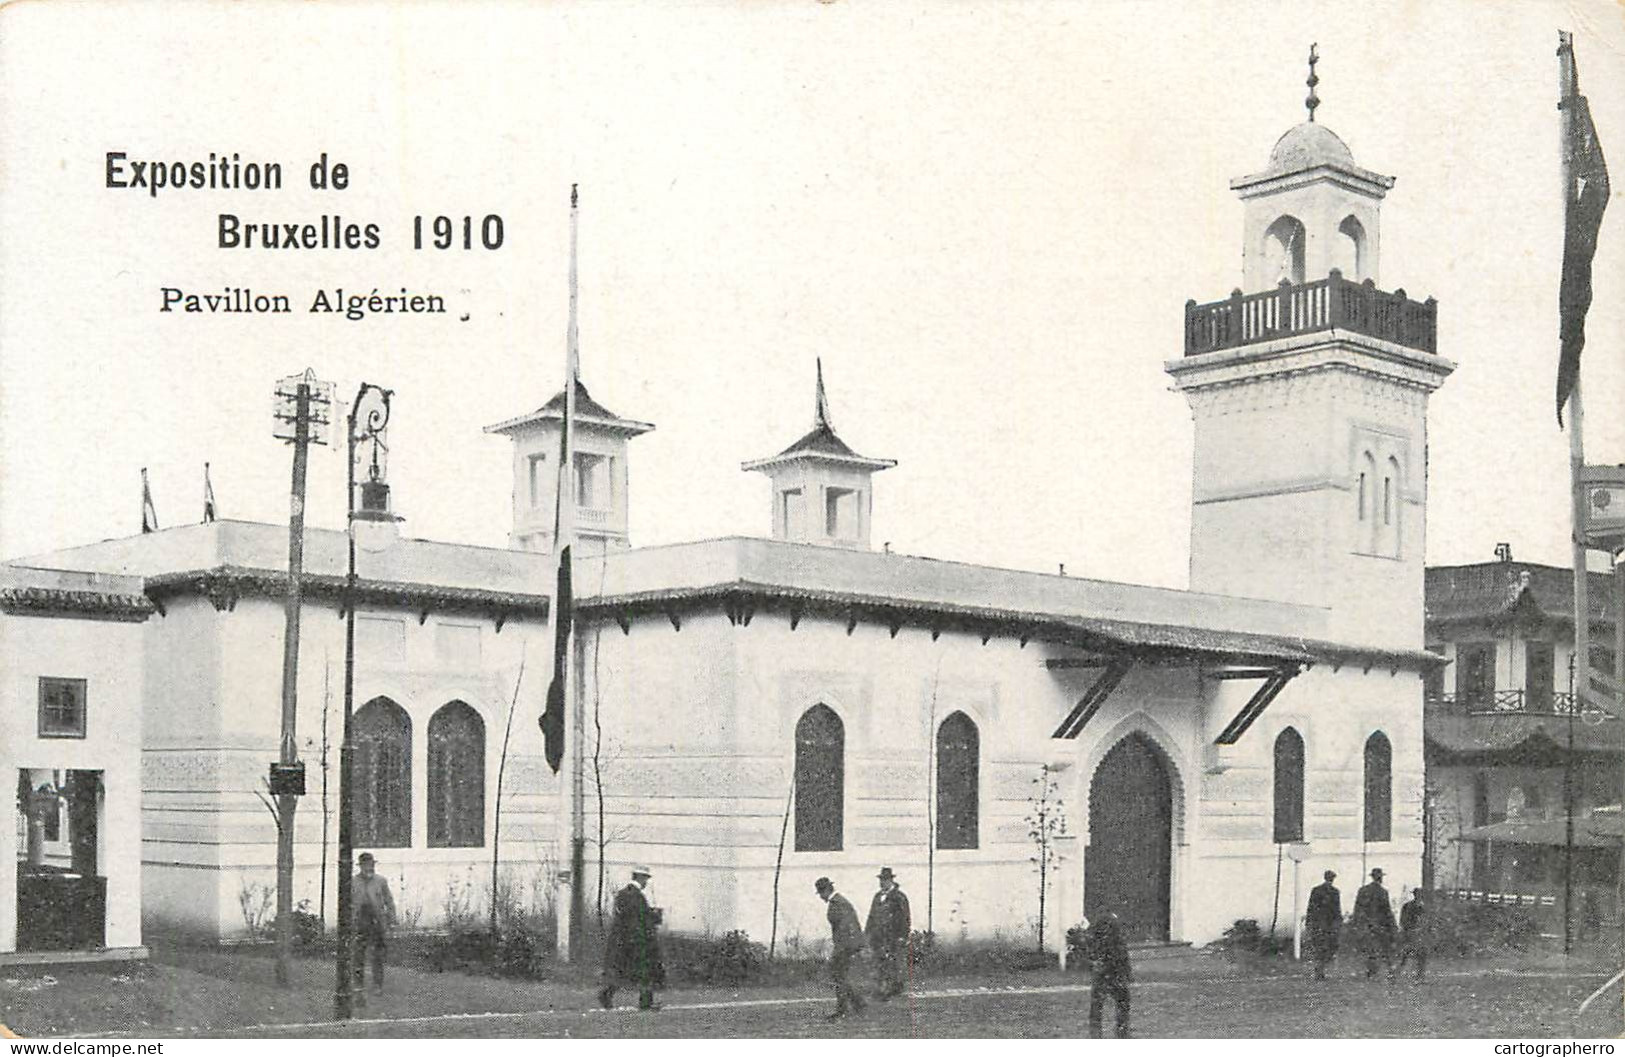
846	938
374	912
632	949
1107	947
1323	922
888	932
1373	924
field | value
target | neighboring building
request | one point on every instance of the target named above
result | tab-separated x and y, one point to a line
70	737
1510	756
767	711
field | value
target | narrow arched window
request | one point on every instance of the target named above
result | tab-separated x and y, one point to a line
1379	788
1391	485
1283	250
820	779
958	782
1288	787
382	772
1349	251
456	777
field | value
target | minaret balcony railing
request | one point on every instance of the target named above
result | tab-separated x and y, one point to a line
1305	308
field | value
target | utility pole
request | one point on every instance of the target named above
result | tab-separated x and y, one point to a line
303	414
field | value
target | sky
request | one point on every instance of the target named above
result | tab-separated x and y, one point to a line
984	218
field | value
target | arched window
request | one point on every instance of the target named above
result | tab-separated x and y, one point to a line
1288	787
1283	250
958	782
1379	788
382	772
456	777
1349	251
1391	484
820	779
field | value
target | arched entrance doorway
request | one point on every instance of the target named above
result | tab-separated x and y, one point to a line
1126	867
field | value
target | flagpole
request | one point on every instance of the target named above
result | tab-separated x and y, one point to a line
571	848
1566	90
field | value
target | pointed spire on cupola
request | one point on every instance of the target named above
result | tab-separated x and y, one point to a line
821	418
820	474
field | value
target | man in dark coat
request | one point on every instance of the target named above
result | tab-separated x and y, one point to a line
632	949
888	931
374	913
846	938
1107	948
1415	931
1323	922
1373	924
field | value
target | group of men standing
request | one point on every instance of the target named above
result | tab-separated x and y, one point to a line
1371	928
886	933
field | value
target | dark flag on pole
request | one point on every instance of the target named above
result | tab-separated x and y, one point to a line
149	513
562	607
1584	202
208	495
552	720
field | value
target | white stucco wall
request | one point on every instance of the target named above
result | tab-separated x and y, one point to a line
106	654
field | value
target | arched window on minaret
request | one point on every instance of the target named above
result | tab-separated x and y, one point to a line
1283	250
1369	509
1348	254
1388	527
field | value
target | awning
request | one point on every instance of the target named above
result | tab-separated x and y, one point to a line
1593	831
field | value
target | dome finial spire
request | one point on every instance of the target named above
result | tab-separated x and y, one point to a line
1313	100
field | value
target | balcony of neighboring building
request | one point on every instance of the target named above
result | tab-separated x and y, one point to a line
1292	309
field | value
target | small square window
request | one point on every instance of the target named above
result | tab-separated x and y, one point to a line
793	512
61	708
538	480
592	481
840	513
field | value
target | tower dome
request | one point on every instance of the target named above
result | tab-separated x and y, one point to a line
1308	145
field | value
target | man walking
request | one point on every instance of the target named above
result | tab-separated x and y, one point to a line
632	949
1107	948
846	937
1373	925
1323	922
374	913
887	931
1414	933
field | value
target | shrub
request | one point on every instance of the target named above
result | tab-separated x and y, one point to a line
730	959
1246	937
307	928
1470	929
974	956
524	941
1077	948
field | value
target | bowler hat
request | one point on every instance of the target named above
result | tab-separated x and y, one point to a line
886	874
1377	872
365	857
822	883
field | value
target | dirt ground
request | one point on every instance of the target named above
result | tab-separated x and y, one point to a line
211	993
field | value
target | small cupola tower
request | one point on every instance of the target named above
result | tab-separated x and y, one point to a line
1312	209
821	487
600	479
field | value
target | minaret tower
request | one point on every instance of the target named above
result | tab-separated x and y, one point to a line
1309	389
821	488
600	480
